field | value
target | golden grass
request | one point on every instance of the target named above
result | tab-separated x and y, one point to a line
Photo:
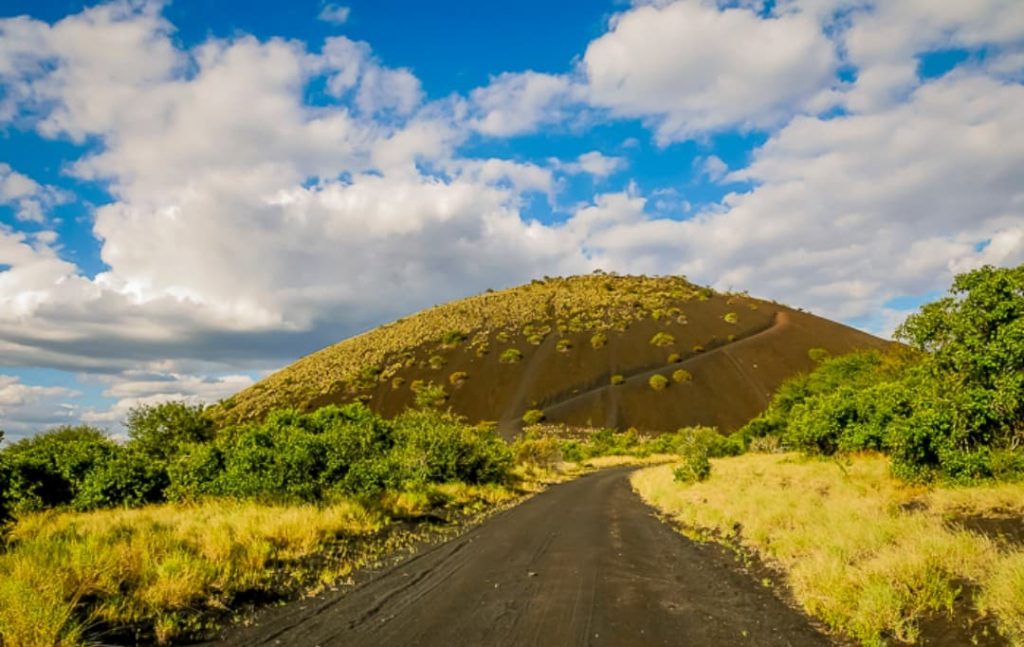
597	302
171	567
868	555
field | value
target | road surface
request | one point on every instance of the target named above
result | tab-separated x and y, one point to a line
583	563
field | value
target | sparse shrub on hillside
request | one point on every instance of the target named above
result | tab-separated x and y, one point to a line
818	355
431	395
698	348
563	345
453	338
510	356
502	336
533	416
397	382
730	317
458	378
674	358
682	375
662	339
617	380
598	340
436	362
658	382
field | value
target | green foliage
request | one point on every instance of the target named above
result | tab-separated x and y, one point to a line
658	382
818	355
674	358
50	469
6	498
563	345
598	340
617	380
430	395
457	378
662	339
131	478
730	317
436	362
160	430
533	449
533	416
510	356
954	408
454	338
681	375
694	468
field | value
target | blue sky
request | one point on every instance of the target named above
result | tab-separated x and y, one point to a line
194	193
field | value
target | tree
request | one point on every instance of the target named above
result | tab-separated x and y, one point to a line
160	431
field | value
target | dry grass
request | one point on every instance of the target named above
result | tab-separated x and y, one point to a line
597	303
171	569
868	555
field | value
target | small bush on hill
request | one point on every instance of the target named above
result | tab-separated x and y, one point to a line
430	395
730	317
510	356
563	345
536	450
533	416
674	358
598	340
662	339
458	378
682	375
436	362
658	382
617	380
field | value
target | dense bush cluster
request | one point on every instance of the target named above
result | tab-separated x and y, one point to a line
173	454
952	404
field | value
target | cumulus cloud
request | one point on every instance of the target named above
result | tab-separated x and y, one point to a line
135	388
25	408
517	103
30	200
690	67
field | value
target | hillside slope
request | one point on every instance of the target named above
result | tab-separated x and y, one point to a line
557	345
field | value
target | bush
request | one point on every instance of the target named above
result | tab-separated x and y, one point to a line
6	501
658	382
458	378
533	416
617	380
49	469
130	478
730	317
674	358
694	468
598	340
436	362
539	451
681	375
563	345
430	395
161	430
510	356
662	339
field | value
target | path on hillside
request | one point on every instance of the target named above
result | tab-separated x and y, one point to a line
583	563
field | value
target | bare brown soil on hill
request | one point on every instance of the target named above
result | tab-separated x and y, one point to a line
584	563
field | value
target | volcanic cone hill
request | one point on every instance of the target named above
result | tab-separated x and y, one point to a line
655	353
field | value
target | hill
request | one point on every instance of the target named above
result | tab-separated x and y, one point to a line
583	350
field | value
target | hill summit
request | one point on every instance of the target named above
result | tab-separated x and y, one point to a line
601	350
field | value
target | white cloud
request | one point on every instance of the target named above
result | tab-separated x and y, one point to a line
592	163
712	167
334	14
25	408
689	67
31	201
135	388
517	103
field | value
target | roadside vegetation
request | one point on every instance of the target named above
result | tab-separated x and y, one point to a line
886	487
165	536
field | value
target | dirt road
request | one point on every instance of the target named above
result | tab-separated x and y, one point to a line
584	563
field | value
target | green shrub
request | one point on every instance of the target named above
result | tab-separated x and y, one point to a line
6	500
536	450
430	395
454	338
617	380
658	382
510	356
533	416
818	355
563	345
397	382
160	430
130	478
682	375
694	468
674	358
49	469
436	362
662	339
458	378
697	348
598	340
730	317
